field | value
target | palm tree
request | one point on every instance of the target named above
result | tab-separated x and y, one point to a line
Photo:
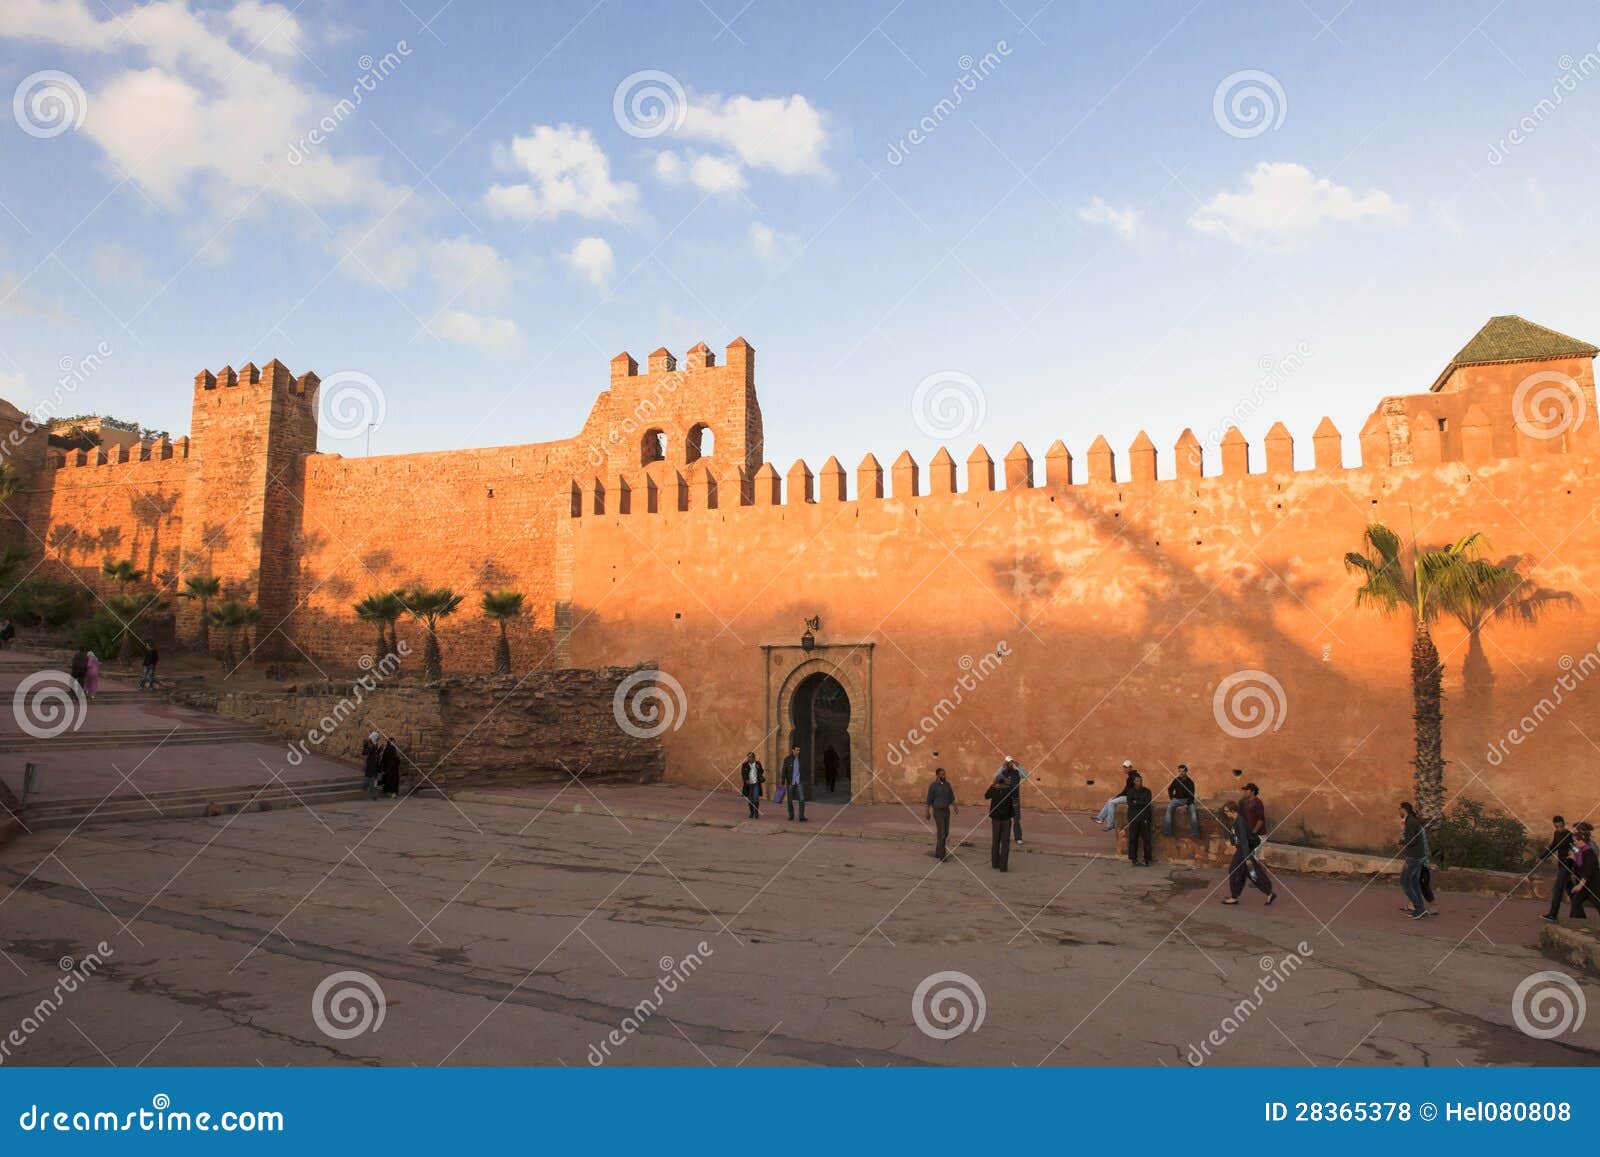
428	606
205	588
122	573
125	611
1436	582
232	617
8	481
502	607
1507	595
382	609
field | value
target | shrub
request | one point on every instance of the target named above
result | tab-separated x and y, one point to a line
45	602
1472	835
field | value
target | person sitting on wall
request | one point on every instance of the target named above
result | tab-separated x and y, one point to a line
751	776
1108	814
1180	794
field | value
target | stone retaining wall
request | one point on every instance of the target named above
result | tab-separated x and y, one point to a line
465	730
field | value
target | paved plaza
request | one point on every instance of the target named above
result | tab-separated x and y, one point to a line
517	933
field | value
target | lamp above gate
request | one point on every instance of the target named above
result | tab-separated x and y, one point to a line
808	641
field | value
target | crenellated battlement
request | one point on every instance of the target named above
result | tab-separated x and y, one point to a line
275	374
155	450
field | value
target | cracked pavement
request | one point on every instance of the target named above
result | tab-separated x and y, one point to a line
500	938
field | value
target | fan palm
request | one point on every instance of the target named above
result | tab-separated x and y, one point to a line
502	607
231	618
204	588
428	606
122	573
1432	582
383	610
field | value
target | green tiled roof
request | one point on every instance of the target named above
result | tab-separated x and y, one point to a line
1509	338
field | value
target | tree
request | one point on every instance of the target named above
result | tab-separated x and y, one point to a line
1507	595
125	610
1435	582
382	609
205	588
502	607
8	481
122	573
428	606
231	618
11	560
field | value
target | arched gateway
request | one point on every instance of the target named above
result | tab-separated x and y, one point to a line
822	697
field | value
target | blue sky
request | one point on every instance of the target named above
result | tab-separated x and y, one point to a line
1088	243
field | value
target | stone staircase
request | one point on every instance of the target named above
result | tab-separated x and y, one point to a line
189	803
141	737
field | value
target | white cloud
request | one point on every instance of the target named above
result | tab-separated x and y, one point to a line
495	335
784	134
771	245
464	268
1123	222
271	26
708	173
1282	204
569	174
593	260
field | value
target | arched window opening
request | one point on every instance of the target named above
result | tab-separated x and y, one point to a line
653	448
701	443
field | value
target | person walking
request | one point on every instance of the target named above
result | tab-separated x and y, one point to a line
1002	804
371	756
151	658
792	779
1244	866
1014	776
91	676
79	669
1180	794
751	776
1560	850
830	767
389	769
1107	818
1141	817
941	806
1585	870
1414	847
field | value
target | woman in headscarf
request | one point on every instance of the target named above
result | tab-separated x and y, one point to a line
371	757
91	678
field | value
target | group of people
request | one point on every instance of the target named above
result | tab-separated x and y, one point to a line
380	766
1005	812
85	672
1577	863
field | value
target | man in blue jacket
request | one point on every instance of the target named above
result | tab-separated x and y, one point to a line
791	778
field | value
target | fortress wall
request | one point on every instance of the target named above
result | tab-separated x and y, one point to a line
1124	605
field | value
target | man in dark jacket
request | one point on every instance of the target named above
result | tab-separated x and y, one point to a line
1014	776
1560	850
1244	866
1002	810
371	759
751	776
941	804
1414	847
1180	794
792	777
79	670
1140	818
